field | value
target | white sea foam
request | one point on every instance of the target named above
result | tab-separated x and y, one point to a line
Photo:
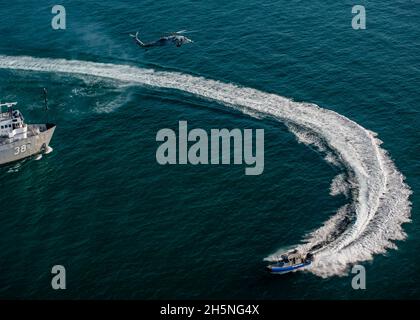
379	204
339	185
113	105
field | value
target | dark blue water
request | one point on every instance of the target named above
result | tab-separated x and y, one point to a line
126	227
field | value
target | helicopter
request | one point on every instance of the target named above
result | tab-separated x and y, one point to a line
176	38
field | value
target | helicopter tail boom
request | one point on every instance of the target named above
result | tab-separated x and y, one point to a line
136	38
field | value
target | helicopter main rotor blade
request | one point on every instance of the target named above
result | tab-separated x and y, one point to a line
180	32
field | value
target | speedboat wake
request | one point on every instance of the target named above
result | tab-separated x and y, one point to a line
379	198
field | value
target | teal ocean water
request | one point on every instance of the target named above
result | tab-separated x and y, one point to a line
126	227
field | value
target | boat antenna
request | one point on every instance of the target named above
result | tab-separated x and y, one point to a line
46	102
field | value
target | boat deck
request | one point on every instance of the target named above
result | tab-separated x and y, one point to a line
33	130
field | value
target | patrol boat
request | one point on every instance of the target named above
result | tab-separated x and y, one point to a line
290	261
19	140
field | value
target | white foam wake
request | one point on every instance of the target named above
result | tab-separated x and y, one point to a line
379	202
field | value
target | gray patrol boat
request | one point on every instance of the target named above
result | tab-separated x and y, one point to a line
19	140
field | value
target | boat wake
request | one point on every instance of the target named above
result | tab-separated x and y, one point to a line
378	197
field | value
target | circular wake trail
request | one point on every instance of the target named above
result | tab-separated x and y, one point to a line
379	203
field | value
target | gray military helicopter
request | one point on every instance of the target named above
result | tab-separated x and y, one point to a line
176	38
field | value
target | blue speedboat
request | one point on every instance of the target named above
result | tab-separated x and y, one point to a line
289	262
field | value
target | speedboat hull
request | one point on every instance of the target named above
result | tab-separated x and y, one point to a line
276	269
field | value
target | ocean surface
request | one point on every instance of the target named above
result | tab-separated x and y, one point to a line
126	227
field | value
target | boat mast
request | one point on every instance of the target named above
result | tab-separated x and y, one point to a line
46	103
